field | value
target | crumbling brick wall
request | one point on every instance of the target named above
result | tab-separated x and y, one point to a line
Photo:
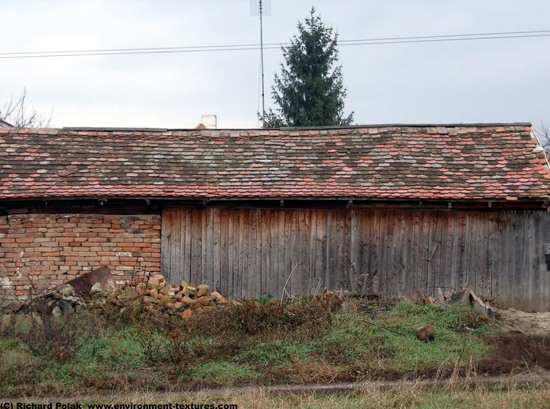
50	249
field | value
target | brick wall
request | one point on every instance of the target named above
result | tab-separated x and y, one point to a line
50	249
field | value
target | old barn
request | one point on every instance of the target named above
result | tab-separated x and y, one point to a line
382	210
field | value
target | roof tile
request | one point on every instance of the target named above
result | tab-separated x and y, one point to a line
398	162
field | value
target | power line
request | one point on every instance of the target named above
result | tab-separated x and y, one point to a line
248	47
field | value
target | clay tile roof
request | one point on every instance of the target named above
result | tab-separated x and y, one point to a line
468	162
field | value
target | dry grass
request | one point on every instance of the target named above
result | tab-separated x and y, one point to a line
464	395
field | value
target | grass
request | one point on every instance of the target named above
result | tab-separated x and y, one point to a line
403	396
255	344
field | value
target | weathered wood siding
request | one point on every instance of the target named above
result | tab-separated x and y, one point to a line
391	252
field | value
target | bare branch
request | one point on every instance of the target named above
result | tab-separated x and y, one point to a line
17	113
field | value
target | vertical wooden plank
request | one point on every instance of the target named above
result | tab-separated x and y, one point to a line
544	275
182	272
487	224
282	250
226	250
353	249
254	285
304	247
186	253
341	239
166	242
399	249
439	264
244	236
329	252
321	249
268	250
385	234
530	248
196	244
310	280
218	275
375	252
363	269
286	248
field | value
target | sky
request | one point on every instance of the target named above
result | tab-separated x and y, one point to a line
474	81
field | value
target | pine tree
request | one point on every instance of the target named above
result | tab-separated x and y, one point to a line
309	92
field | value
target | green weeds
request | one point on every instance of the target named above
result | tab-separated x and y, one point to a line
303	341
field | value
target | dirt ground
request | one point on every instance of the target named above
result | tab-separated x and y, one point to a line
526	323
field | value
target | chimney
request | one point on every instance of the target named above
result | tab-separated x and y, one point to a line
209	121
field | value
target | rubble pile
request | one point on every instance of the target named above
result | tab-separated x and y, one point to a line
141	295
155	294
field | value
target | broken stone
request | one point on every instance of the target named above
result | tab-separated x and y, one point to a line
96	289
65	305
187	300
439	295
56	312
132	293
204	300
14	306
428	300
72	300
156	280
187	313
218	297
467	296
67	291
425	333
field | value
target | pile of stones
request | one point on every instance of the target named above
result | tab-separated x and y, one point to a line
154	294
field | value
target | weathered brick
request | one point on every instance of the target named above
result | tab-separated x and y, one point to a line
54	245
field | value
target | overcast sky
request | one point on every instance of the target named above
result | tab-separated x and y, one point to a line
501	80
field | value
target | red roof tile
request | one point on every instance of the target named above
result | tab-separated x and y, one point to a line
495	162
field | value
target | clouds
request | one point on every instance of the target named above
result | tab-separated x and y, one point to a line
470	81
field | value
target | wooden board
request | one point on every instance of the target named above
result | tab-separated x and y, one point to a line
392	252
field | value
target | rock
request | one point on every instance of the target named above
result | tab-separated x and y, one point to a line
187	300
447	295
425	333
441	303
428	300
204	301
67	291
96	289
439	295
187	313
72	300
56	312
202	290
65	306
218	297
154	294
132	293
467	296
14	306
460	296
158	278
184	284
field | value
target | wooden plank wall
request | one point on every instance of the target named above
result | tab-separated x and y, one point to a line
392	252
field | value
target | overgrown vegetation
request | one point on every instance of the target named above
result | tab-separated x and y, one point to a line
302	342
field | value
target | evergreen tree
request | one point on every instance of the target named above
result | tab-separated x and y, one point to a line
309	92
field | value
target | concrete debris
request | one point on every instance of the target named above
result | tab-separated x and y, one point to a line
425	333
467	296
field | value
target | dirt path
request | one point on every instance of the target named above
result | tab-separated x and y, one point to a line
532	378
527	323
